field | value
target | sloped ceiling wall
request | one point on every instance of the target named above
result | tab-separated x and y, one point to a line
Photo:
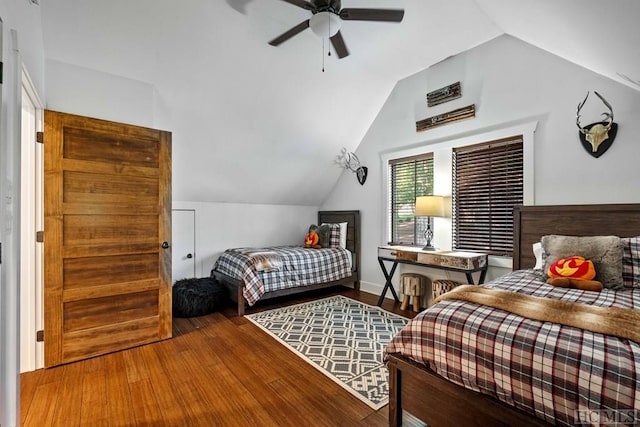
601	36
256	124
515	86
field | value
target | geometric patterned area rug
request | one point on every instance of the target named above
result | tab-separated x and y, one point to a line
342	338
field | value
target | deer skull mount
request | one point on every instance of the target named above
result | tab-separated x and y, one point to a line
351	162
597	137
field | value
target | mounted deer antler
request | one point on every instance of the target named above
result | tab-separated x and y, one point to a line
350	161
598	132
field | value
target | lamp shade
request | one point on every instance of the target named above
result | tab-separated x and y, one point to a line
324	24
430	206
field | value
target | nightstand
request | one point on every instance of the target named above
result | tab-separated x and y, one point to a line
461	261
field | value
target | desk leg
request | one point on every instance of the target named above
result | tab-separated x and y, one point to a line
387	285
483	274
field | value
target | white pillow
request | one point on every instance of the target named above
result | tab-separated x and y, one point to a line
343	234
537	252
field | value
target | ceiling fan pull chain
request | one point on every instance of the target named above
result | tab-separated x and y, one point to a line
329	50
323	55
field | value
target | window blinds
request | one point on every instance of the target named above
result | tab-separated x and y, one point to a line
487	184
409	177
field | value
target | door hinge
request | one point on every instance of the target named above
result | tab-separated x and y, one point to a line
1	69
40	336
40	137
39	236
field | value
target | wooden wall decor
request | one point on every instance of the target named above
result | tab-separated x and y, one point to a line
444	94
452	116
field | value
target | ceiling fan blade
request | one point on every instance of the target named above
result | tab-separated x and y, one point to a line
288	34
386	15
303	4
338	44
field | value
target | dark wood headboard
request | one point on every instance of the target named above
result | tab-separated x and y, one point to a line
530	223
352	218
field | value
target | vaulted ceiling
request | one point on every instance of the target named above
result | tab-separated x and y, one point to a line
254	123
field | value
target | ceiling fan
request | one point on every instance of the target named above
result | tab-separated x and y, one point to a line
326	20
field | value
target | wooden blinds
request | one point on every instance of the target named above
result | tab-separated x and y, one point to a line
409	177
487	184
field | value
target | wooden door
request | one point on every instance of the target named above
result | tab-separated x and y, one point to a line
107	213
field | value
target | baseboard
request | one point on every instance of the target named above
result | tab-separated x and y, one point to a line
373	288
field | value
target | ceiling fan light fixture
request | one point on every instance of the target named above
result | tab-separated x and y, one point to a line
324	24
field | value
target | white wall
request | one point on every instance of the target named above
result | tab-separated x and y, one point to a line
24	17
91	93
24	46
510	82
220	226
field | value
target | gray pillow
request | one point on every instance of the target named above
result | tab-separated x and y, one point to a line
324	234
604	251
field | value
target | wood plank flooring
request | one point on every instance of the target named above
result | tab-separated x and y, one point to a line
217	370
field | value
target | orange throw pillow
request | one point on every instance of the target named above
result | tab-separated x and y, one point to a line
311	240
575	267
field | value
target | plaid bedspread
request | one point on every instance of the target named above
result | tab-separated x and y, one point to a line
558	373
300	267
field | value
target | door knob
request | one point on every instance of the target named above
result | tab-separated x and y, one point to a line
189	256
165	245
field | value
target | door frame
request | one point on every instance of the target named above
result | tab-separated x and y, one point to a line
10	230
32	217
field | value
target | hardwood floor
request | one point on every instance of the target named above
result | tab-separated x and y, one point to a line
217	370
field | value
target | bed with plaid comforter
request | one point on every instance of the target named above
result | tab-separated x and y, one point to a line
299	267
543	368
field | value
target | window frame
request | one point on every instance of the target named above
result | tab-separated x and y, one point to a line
419	223
441	146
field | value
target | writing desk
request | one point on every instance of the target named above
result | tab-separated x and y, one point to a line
460	261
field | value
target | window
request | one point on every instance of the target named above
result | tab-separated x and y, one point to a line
409	177
487	184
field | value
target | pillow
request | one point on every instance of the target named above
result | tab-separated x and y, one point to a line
324	232
537	252
311	240
575	267
343	234
604	251
631	262
334	235
338	235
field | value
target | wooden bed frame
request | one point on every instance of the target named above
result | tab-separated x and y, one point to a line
438	402
352	218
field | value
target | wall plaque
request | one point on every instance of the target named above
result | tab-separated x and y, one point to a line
450	117
444	94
